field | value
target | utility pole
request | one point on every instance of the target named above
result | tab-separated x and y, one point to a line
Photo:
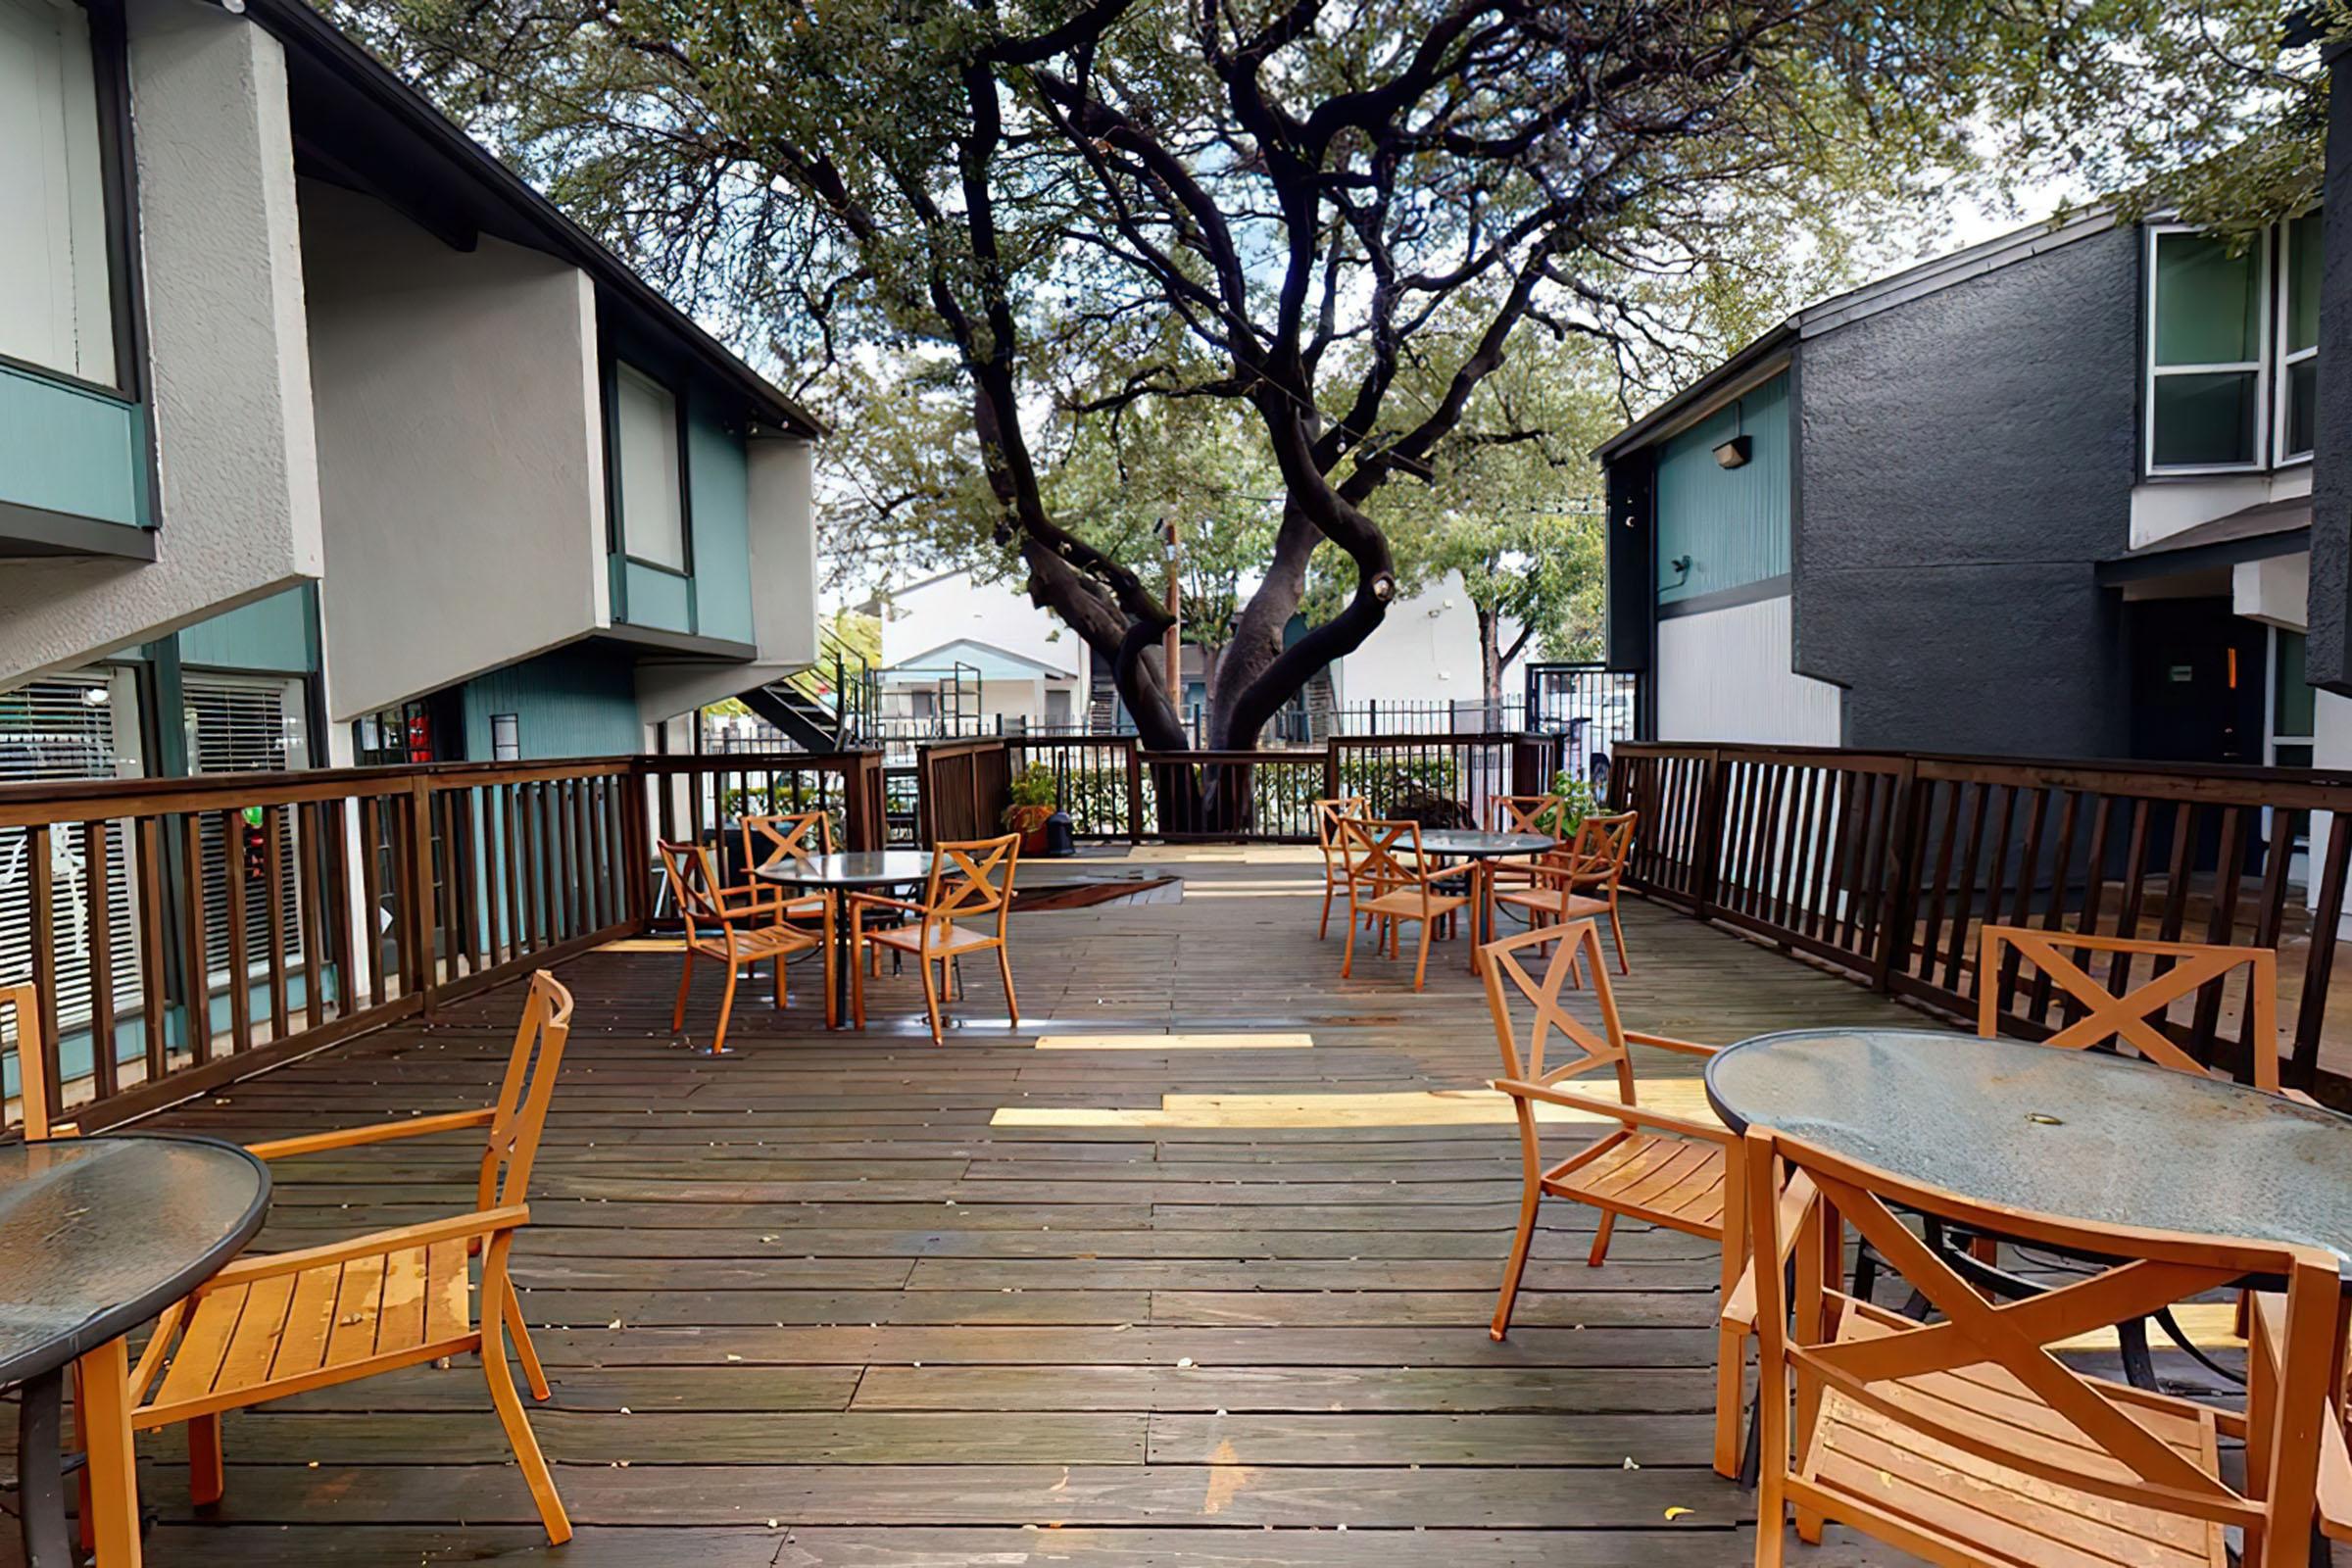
1172	666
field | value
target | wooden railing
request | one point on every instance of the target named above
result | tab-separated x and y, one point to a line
1098	779
1888	865
961	789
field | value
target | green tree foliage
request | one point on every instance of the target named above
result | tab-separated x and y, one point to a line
986	225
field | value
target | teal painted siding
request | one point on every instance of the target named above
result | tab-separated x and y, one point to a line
70	450
718	492
271	634
575	701
1732	522
654	598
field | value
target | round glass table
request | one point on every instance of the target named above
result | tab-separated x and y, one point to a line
848	871
100	1233
2081	1134
1481	848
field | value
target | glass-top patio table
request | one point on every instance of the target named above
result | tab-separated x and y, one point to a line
2085	1134
1482	849
850	871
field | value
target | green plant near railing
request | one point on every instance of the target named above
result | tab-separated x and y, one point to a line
1577	802
1030	794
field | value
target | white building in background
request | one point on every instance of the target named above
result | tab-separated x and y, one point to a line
979	655
1424	657
952	644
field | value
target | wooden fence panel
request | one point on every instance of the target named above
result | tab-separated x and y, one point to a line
1892	865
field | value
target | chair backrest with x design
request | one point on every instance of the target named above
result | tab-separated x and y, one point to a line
1599	849
693	882
971	878
1522	814
2114	1011
1381	857
1510	981
794	836
1975	1352
520	1115
1328	813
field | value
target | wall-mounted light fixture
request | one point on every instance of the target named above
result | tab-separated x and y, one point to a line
1735	453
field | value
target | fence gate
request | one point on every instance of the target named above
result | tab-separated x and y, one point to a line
1592	708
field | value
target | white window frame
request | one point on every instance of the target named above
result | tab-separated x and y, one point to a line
2151	370
2281	458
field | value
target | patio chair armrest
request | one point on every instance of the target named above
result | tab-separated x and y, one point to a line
875	900
382	1132
1446	873
747	899
1689	1048
155	1356
1630	1115
1798	1197
458	1227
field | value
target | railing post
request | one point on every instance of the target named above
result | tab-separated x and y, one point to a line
1705	878
1135	788
424	976
1899	900
1330	765
636	808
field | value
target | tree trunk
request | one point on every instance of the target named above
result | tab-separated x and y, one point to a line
1257	640
1490	662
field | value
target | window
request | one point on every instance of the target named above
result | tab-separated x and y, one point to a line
505	738
2207	313
653	503
56	297
2299	337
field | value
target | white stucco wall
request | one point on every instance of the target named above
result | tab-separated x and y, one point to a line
930	614
230	366
460	447
1726	676
1425	650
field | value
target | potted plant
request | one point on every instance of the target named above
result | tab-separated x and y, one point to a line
1576	804
1032	795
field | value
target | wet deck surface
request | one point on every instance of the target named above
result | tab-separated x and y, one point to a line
864	1300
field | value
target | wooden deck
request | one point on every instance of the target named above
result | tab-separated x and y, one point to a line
860	1300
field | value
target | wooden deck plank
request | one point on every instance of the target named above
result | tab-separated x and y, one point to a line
1124	1305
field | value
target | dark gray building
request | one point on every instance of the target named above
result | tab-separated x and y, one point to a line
2048	496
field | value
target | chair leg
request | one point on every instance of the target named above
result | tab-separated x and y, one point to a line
532	1371
677	1013
1599	1253
1731	1380
1517	1266
1617	933
1421	969
207	1479
726	1005
931	999
858	957
1348	959
1324	929
1012	1009
783	987
510	1415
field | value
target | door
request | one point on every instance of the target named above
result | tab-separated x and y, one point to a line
2198	682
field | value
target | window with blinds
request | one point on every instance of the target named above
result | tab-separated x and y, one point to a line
78	727
242	725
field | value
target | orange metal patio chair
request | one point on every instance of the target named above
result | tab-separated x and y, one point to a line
1581	881
269	1326
1961	1440
1328	813
969	880
2115	1011
790	836
1392	880
741	927
1653	1166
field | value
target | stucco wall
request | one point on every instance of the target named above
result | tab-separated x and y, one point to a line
1425	650
230	368
461	453
1963	461
1723	675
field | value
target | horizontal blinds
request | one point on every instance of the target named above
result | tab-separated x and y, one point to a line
55	732
245	727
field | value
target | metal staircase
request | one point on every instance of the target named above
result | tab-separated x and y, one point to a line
830	706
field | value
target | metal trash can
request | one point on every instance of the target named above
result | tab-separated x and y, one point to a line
1059	838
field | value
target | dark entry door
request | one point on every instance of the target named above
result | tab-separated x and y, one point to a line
2197	681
